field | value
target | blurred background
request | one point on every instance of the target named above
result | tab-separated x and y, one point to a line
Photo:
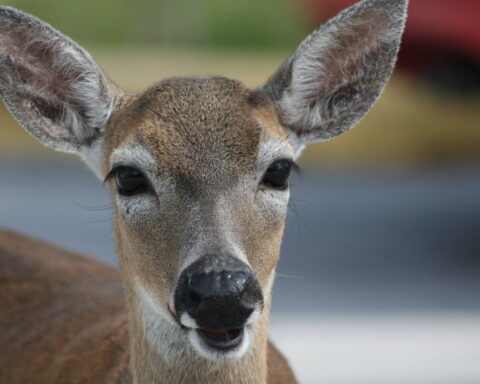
379	280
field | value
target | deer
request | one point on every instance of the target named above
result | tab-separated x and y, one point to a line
198	169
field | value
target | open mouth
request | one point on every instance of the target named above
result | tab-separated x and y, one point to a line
222	339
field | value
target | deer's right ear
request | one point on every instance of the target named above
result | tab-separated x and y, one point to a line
52	86
338	72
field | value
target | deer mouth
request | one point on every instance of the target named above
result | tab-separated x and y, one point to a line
222	339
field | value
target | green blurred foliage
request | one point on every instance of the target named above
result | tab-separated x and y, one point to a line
263	23
101	21
204	23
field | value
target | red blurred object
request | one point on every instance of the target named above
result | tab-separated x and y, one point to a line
442	36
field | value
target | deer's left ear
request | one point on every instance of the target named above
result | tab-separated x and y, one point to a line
339	71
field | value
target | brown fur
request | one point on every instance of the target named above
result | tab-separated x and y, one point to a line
192	126
63	319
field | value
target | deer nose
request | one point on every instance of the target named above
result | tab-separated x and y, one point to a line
218	299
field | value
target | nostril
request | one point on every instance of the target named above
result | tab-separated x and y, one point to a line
193	300
251	298
251	295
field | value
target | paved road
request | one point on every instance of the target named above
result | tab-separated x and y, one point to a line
360	245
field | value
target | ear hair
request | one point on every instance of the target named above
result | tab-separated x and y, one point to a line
52	85
339	71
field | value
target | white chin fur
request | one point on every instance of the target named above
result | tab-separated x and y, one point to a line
220	356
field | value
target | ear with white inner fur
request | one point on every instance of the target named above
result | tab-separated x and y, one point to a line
51	85
338	71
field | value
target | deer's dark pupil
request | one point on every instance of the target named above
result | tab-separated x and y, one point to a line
129	181
277	174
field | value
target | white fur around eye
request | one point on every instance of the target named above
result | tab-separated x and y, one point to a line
136	210
145	206
273	203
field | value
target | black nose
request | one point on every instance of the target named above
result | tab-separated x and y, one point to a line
218	293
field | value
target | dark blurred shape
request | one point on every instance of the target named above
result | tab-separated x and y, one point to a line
441	43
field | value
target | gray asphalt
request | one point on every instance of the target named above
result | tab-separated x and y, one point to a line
356	240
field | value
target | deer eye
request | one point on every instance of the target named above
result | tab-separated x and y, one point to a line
130	181
277	174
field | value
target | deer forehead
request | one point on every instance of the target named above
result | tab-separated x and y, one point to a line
203	129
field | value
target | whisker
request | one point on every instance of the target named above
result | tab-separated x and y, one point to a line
94	208
288	276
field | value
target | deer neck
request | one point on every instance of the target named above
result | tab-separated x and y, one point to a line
161	353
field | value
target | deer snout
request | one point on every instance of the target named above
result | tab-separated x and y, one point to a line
218	293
